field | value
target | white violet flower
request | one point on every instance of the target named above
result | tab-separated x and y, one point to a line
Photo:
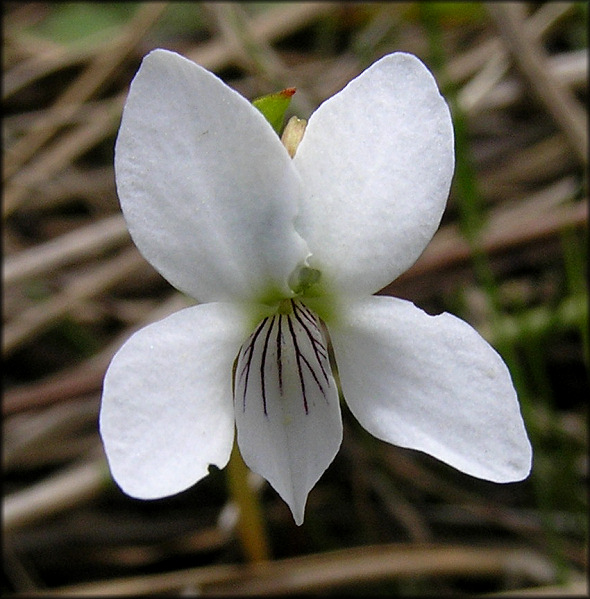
280	250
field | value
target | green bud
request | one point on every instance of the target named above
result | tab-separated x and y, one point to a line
274	106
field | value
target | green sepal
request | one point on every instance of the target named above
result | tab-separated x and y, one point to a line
274	107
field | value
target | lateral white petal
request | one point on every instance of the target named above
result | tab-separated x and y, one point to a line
208	190
431	383
376	161
167	410
286	405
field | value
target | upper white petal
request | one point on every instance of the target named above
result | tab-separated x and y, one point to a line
208	191
286	404
167	410
376	161
431	383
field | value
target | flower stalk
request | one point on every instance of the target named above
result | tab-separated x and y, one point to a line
251	526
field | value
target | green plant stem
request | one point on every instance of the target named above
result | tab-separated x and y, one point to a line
251	527
575	259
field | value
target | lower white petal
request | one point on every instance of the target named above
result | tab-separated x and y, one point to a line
431	383
167	411
286	404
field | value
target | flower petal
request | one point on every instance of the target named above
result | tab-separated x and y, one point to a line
286	404
431	383
208	191
167	411
376	161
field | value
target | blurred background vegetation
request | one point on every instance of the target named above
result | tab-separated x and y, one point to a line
510	258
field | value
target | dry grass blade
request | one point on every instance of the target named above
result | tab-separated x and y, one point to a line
264	28
101	123
470	62
43	60
42	315
483	93
85	377
50	437
489	61
74	485
254	52
80	244
529	58
329	570
575	588
103	64
533	219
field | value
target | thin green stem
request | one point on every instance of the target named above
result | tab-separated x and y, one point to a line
575	262
251	527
